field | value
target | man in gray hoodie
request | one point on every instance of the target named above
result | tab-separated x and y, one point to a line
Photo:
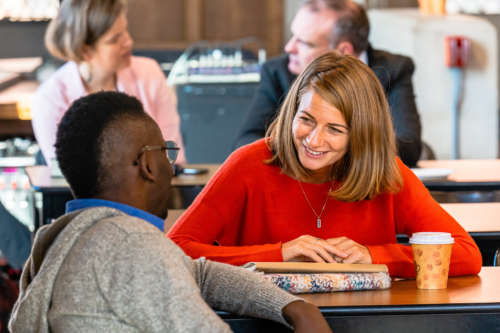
105	266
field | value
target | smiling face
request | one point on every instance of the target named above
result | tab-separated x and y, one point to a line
113	50
310	31
320	135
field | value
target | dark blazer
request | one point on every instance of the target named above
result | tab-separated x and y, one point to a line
394	73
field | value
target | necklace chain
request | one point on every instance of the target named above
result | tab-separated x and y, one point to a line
318	217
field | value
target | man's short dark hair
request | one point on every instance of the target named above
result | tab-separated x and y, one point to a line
352	24
80	135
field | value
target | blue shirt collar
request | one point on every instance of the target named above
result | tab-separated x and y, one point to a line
129	210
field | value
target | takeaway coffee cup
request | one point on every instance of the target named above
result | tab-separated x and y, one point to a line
432	252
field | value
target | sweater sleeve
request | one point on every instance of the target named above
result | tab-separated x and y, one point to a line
416	211
237	290
149	286
215	217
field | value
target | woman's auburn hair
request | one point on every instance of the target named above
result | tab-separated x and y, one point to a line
80	23
369	166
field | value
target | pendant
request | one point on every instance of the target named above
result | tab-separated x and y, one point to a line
318	223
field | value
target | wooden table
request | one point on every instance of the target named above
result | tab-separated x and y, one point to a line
482	222
469	304
467	175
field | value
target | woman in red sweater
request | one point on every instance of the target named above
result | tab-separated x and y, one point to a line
324	185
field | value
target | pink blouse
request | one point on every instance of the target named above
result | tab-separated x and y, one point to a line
142	79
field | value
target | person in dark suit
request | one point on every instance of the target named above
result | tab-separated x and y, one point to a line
342	25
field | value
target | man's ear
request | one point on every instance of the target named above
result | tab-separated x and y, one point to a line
345	47
146	167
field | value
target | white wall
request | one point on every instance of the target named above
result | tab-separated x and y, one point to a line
421	37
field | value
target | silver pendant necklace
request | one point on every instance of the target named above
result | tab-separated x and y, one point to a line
318	216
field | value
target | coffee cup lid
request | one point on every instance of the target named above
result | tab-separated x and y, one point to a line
431	238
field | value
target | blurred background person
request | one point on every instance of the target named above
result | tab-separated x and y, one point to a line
92	36
318	27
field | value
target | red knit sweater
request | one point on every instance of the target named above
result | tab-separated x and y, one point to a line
249	208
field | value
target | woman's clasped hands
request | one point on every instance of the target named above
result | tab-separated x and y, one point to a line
332	250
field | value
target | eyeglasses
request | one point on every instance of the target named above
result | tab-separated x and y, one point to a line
171	149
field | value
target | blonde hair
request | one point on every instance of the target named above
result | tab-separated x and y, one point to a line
79	23
369	166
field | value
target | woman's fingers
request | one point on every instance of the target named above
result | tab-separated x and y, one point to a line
333	250
354	258
311	254
336	241
299	248
313	248
356	253
338	259
321	251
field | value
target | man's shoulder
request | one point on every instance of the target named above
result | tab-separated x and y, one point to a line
105	220
277	63
275	75
123	228
390	67
127	225
388	59
110	227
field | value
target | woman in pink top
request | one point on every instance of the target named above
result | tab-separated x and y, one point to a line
92	36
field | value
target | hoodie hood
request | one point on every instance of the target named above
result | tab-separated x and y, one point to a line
52	244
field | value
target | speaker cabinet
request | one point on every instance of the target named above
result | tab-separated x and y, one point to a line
211	116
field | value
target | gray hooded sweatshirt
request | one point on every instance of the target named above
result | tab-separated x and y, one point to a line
99	269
